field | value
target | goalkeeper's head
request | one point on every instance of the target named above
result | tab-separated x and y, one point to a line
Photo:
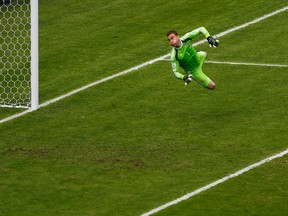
174	38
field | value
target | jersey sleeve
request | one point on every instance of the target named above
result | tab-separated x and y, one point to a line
201	30
175	65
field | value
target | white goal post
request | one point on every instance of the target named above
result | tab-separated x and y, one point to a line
19	57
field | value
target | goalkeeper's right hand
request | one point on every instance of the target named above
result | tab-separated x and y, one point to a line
187	79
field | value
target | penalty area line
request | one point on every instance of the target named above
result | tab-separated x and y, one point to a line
207	187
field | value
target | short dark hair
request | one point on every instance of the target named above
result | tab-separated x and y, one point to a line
172	32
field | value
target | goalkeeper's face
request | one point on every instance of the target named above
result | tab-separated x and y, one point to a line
174	40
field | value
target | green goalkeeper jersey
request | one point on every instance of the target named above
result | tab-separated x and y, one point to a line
186	56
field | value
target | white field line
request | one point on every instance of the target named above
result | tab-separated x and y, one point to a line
142	65
247	63
193	193
241	63
103	80
85	87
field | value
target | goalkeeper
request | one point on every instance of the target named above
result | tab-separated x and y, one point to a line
183	54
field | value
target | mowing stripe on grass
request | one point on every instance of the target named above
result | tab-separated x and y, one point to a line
193	193
142	65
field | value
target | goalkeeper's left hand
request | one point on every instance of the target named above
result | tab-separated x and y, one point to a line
187	79
213	42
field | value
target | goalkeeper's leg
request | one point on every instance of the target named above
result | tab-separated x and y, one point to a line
199	76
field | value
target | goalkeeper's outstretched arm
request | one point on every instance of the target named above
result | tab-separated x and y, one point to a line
175	68
201	30
213	42
187	78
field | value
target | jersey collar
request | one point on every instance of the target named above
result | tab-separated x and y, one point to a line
180	45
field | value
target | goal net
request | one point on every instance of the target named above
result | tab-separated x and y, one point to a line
18	66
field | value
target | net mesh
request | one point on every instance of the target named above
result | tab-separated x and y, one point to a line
15	53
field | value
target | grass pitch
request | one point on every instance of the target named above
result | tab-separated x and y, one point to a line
143	139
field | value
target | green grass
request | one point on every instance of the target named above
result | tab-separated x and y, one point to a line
143	139
265	195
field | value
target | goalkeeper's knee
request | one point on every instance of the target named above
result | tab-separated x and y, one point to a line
211	85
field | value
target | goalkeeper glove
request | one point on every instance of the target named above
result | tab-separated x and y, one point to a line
213	42
187	79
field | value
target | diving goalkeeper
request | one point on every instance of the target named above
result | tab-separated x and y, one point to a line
184	55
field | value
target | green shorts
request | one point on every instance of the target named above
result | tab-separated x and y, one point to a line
198	74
